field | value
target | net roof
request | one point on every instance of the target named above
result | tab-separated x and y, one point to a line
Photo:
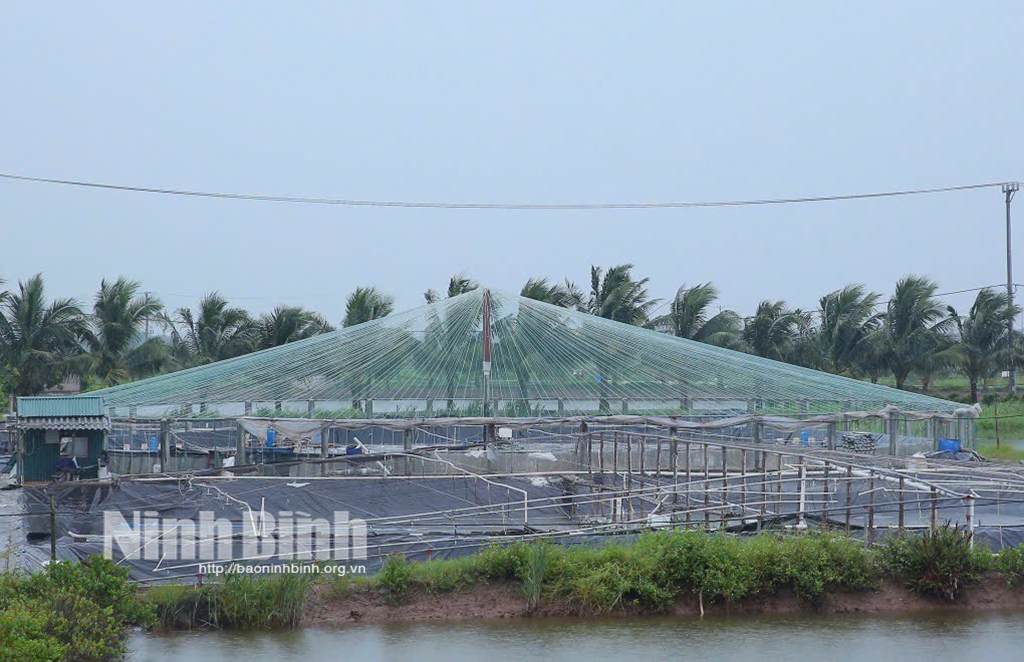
429	360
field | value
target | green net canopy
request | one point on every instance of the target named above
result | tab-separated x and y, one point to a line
545	360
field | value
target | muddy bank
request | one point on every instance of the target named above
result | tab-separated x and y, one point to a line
505	600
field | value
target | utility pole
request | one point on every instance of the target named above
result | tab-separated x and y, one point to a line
1009	189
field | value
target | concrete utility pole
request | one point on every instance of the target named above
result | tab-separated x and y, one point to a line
1009	189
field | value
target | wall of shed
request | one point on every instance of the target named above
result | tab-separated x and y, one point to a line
41	457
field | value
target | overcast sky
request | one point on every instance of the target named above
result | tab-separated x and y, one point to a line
537	102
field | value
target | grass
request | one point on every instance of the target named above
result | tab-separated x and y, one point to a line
240	602
1003	452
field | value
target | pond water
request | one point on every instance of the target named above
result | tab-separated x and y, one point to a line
934	637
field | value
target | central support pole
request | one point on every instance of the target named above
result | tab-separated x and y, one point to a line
487	358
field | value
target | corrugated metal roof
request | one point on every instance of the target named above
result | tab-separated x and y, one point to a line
65	423
78	405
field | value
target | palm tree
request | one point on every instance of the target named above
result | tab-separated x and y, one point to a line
688	317
287	324
38	342
770	331
217	331
616	296
983	341
116	350
848	316
804	347
460	283
911	325
564	295
365	304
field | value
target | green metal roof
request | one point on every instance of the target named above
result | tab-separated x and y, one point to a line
78	405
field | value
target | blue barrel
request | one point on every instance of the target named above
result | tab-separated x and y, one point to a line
805	438
949	445
271	438
154	445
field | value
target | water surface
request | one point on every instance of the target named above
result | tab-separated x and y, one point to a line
933	637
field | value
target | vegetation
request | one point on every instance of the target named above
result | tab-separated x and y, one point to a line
241	602
689	318
366	304
38	340
911	341
115	349
71	611
287	324
983	342
615	295
938	563
80	611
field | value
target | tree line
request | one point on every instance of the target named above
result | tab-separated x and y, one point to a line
128	334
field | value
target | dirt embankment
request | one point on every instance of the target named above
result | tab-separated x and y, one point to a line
491	601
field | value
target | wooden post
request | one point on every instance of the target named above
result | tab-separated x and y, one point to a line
629	471
657	459
325	440
277	406
936	428
643	459
589	445
310	408
831	436
615	456
894	433
674	452
53	530
407	448
705	486
688	475
935	509
165	445
20	434
763	472
743	484
902	508
600	456
725	488
849	497
240	445
824	497
871	510
248	408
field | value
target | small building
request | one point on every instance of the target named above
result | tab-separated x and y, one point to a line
62	438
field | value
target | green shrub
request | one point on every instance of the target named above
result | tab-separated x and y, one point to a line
1010	562
938	563
24	636
394	578
502	563
80	608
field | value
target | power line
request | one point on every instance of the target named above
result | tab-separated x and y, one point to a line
496	205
